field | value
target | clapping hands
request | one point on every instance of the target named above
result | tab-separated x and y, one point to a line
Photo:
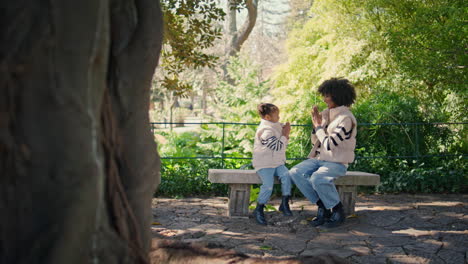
316	117
286	129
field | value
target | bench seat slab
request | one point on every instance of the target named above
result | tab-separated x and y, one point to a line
229	176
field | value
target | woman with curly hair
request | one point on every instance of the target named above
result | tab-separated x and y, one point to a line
334	140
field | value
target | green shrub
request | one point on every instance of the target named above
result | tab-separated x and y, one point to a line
440	175
188	178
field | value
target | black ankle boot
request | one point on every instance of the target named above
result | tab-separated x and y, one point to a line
259	215
337	217
322	214
284	206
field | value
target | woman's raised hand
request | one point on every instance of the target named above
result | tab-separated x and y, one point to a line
316	116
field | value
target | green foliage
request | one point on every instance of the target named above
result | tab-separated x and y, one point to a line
416	48
190	28
427	39
180	145
427	42
387	140
237	102
377	138
188	178
422	175
254	192
439	176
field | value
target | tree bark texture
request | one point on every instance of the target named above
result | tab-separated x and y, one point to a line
78	164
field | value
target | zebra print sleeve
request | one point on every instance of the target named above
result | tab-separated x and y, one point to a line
269	140
341	133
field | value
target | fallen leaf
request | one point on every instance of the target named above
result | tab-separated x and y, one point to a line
156	223
266	248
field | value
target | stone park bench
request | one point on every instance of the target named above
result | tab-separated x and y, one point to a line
240	181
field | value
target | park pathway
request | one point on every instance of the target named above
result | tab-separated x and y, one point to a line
386	229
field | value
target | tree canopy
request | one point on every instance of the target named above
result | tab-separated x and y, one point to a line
415	48
190	28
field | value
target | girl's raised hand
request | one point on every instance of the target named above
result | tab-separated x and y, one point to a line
286	129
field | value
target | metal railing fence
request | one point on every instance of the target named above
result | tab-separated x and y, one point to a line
411	136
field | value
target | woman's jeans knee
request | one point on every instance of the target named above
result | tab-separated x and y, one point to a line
267	175
315	179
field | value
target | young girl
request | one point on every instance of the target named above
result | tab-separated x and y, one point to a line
334	139
269	157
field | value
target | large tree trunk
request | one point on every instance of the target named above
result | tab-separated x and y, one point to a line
78	165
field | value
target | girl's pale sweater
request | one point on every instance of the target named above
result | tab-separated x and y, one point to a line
269	145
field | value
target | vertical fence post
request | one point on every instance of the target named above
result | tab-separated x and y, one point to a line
222	148
416	142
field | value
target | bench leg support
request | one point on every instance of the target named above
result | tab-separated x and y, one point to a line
348	197
239	196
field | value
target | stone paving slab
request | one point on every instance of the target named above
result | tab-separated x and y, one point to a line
386	229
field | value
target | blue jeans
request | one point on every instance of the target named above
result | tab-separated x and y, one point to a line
267	176
315	179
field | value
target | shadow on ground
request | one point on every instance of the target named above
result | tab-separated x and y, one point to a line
386	229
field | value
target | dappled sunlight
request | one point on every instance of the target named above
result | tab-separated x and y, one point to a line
416	232
411	200
446	204
379	208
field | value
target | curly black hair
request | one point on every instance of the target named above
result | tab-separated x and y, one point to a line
341	91
266	109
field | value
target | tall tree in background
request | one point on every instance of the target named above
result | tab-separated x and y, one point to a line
237	37
78	164
265	45
192	28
